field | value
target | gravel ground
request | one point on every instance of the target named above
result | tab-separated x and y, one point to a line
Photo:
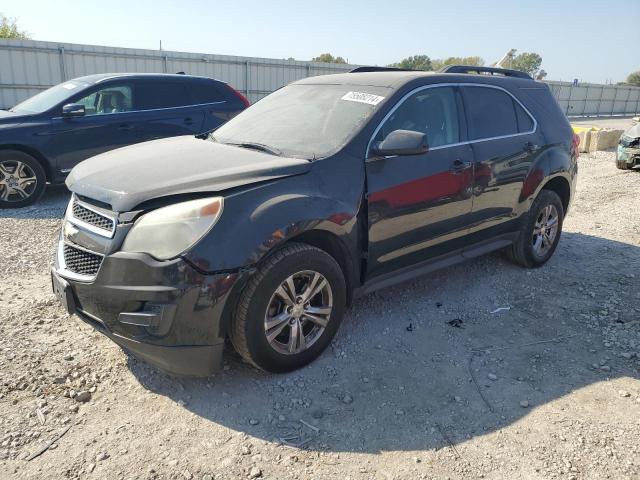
422	381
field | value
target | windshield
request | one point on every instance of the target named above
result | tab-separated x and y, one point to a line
49	98
305	121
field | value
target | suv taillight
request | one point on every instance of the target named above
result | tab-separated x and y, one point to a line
242	98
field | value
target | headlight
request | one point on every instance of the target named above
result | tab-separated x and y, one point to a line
169	231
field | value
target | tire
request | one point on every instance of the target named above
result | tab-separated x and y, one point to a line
263	298
532	250
622	165
22	179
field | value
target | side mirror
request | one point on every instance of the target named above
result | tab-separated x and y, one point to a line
402	142
73	110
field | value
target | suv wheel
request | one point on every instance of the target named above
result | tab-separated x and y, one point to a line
539	237
290	310
22	179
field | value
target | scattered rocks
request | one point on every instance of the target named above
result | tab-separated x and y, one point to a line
102	456
255	473
492	376
524	403
82	397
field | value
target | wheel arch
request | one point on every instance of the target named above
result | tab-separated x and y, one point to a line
40	158
324	240
559	185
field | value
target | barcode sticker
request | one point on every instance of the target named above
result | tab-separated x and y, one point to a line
362	97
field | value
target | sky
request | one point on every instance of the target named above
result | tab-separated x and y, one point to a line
593	41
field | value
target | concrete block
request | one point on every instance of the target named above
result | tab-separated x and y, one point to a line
604	139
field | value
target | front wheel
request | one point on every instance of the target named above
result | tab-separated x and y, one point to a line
540	234
290	309
622	164
22	179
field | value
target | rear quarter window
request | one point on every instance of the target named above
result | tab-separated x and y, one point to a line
206	92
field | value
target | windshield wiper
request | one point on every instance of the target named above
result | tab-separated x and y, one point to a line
258	146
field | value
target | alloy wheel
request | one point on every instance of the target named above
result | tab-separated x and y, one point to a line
18	181
545	230
298	312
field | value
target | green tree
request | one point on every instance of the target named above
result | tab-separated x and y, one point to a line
634	78
438	63
9	28
416	62
328	58
527	62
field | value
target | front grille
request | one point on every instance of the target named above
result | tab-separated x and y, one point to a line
95	219
80	261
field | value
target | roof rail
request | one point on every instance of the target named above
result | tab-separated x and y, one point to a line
484	70
380	69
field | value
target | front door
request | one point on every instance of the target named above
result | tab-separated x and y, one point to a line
108	123
420	205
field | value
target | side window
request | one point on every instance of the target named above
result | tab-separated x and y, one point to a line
115	98
432	111
159	94
492	113
206	92
525	124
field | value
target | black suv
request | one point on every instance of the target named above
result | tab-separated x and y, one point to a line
329	188
44	137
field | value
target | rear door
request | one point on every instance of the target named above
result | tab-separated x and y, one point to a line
169	109
419	205
505	143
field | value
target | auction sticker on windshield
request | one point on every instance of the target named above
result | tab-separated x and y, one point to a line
362	97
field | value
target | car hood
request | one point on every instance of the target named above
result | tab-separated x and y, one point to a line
12	117
126	177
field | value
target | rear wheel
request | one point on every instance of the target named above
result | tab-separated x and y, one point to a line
22	179
540	235
290	309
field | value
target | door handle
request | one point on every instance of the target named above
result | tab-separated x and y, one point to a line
188	121
458	166
125	126
530	147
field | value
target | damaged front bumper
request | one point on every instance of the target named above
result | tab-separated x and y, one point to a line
167	313
628	155
628	150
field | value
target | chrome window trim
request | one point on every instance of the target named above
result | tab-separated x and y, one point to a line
457	144
68	274
148	110
87	226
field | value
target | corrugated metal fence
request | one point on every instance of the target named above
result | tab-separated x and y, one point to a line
27	67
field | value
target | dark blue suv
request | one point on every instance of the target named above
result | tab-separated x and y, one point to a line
44	137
